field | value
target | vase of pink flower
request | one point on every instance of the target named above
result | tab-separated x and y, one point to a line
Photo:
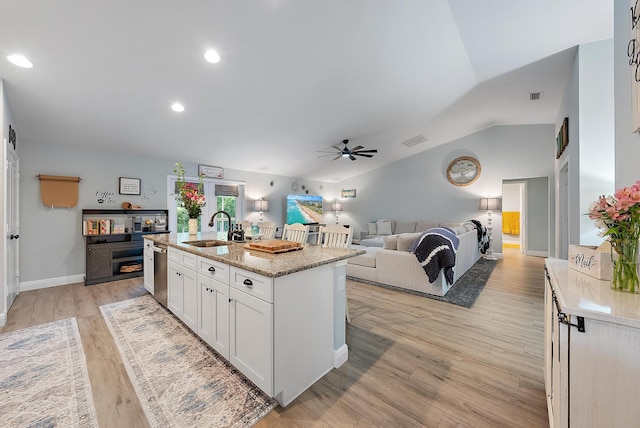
618	217
190	195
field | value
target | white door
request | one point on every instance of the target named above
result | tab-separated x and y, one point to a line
13	226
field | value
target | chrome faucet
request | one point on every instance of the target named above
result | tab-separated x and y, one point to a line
229	231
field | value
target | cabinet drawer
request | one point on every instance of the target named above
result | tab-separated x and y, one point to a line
186	259
212	269
252	283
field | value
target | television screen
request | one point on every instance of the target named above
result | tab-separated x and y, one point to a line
304	209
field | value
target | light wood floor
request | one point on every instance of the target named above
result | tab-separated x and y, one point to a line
413	361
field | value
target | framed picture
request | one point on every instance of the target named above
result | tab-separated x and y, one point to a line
562	140
211	171
348	193
129	186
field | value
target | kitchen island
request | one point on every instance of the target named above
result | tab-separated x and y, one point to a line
278	318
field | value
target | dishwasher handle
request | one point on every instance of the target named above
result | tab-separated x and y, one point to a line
160	250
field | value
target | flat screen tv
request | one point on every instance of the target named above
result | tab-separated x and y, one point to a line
304	209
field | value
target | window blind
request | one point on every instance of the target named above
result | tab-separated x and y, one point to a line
227	190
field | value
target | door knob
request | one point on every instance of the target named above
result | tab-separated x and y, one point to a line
14	236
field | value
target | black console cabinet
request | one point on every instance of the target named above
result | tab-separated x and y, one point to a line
118	252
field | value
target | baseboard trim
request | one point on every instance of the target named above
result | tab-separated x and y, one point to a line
340	356
537	253
50	282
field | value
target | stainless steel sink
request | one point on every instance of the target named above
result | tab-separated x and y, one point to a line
207	243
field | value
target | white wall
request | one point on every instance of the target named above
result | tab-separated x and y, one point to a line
52	246
627	144
588	103
417	188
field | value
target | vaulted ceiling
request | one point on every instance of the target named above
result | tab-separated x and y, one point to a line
295	77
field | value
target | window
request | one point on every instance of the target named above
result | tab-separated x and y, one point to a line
228	197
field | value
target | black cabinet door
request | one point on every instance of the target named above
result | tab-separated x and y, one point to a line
98	262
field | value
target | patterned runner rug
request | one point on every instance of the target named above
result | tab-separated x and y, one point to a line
179	380
43	378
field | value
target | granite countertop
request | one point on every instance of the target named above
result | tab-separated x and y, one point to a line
271	265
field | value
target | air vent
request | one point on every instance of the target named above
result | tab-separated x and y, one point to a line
415	140
534	96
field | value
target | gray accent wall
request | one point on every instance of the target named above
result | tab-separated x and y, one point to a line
51	241
416	188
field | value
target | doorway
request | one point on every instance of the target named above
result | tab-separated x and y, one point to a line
13	228
525	215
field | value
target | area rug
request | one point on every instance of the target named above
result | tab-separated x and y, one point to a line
180	381
464	292
43	378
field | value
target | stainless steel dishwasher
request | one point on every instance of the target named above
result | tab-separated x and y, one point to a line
160	273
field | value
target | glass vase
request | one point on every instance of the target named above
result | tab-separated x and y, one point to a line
625	267
193	226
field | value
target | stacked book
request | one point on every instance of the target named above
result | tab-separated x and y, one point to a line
97	227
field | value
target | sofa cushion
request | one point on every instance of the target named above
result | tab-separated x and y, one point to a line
405	228
384	227
390	242
423	226
373	229
366	260
406	239
459	229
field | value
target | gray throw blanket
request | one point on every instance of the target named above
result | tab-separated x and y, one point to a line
435	250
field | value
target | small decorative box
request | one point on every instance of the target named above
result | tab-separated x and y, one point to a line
591	261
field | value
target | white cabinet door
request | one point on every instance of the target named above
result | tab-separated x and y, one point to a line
175	296
213	314
251	341
190	295
148	270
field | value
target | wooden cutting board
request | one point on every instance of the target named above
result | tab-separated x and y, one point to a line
274	246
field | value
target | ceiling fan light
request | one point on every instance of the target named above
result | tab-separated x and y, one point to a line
345	155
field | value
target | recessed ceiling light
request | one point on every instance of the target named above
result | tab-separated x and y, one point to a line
212	56
20	61
177	107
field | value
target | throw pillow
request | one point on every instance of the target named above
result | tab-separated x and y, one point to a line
459	229
384	227
390	242
373	229
405	240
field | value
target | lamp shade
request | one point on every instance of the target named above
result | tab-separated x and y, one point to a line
490	204
336	206
261	205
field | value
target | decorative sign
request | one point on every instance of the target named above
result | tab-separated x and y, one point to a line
129	186
348	193
210	171
591	261
633	52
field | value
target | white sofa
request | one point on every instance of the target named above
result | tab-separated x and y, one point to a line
394	265
380	229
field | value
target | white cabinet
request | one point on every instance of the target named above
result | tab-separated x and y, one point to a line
182	297
592	350
213	305
148	266
251	327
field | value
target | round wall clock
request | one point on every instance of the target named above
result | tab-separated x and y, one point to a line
463	171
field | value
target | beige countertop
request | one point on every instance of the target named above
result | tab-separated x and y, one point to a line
271	265
582	295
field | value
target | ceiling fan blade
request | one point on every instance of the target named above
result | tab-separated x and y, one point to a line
365	151
363	154
352	157
327	155
357	148
338	148
338	157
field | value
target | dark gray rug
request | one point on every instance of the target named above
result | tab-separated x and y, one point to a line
463	293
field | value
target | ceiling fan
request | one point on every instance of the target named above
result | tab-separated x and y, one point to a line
345	152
